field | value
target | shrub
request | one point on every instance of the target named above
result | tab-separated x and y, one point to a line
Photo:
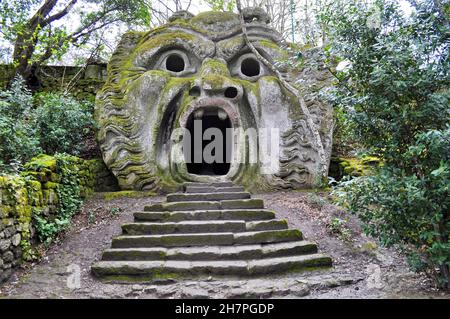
395	92
18	141
62	123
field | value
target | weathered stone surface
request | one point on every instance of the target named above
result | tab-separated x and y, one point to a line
15	240
266	225
174	269
243	252
198	67
209	189
224	214
4	244
242	203
236	238
210	226
270	236
207	196
183	206
8	257
173	240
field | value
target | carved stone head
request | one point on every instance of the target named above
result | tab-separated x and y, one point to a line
193	74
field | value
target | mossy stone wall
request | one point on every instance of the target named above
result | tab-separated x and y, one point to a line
352	166
81	82
33	191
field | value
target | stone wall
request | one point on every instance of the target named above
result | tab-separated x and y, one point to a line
35	191
82	82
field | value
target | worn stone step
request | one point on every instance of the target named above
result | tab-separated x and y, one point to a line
209	189
209	226
267	236
207	205
201	226
212	252
149	270
201	197
226	214
204	239
274	224
214	184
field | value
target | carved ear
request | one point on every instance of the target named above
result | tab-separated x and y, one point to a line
255	14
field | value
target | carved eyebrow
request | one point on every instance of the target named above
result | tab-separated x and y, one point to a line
154	44
228	49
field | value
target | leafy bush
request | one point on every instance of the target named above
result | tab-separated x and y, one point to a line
18	141
57	123
395	92
62	123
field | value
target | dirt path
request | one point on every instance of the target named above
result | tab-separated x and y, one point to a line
361	268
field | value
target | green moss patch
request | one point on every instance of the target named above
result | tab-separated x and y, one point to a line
125	194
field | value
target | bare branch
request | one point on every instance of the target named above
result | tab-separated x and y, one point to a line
59	15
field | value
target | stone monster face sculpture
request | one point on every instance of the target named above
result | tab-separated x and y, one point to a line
198	69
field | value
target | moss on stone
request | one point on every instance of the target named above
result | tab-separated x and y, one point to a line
213	17
41	162
353	166
124	194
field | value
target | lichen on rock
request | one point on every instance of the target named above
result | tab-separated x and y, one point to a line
199	67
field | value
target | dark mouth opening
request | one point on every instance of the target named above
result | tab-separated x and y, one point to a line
218	146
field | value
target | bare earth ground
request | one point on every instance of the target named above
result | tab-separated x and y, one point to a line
361	268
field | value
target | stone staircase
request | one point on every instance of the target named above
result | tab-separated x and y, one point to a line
213	229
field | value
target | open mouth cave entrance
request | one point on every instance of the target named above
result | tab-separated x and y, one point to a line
209	150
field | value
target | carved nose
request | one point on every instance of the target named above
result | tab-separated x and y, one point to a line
230	91
215	81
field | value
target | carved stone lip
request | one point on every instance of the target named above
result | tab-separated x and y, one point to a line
215	104
212	103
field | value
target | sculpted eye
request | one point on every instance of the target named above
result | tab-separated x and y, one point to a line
250	67
175	63
247	67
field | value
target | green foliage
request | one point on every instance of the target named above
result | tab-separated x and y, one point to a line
222	5
18	141
338	227
69	200
62	123
57	123
43	30
395	92
115	211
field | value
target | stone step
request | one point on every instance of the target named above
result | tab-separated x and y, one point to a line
214	184
240	252
226	214
207	205
205	239
149	270
209	189
209	226
201	226
202	197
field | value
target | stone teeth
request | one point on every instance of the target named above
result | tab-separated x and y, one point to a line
198	114
222	115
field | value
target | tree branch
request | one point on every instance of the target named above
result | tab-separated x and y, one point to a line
59	15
